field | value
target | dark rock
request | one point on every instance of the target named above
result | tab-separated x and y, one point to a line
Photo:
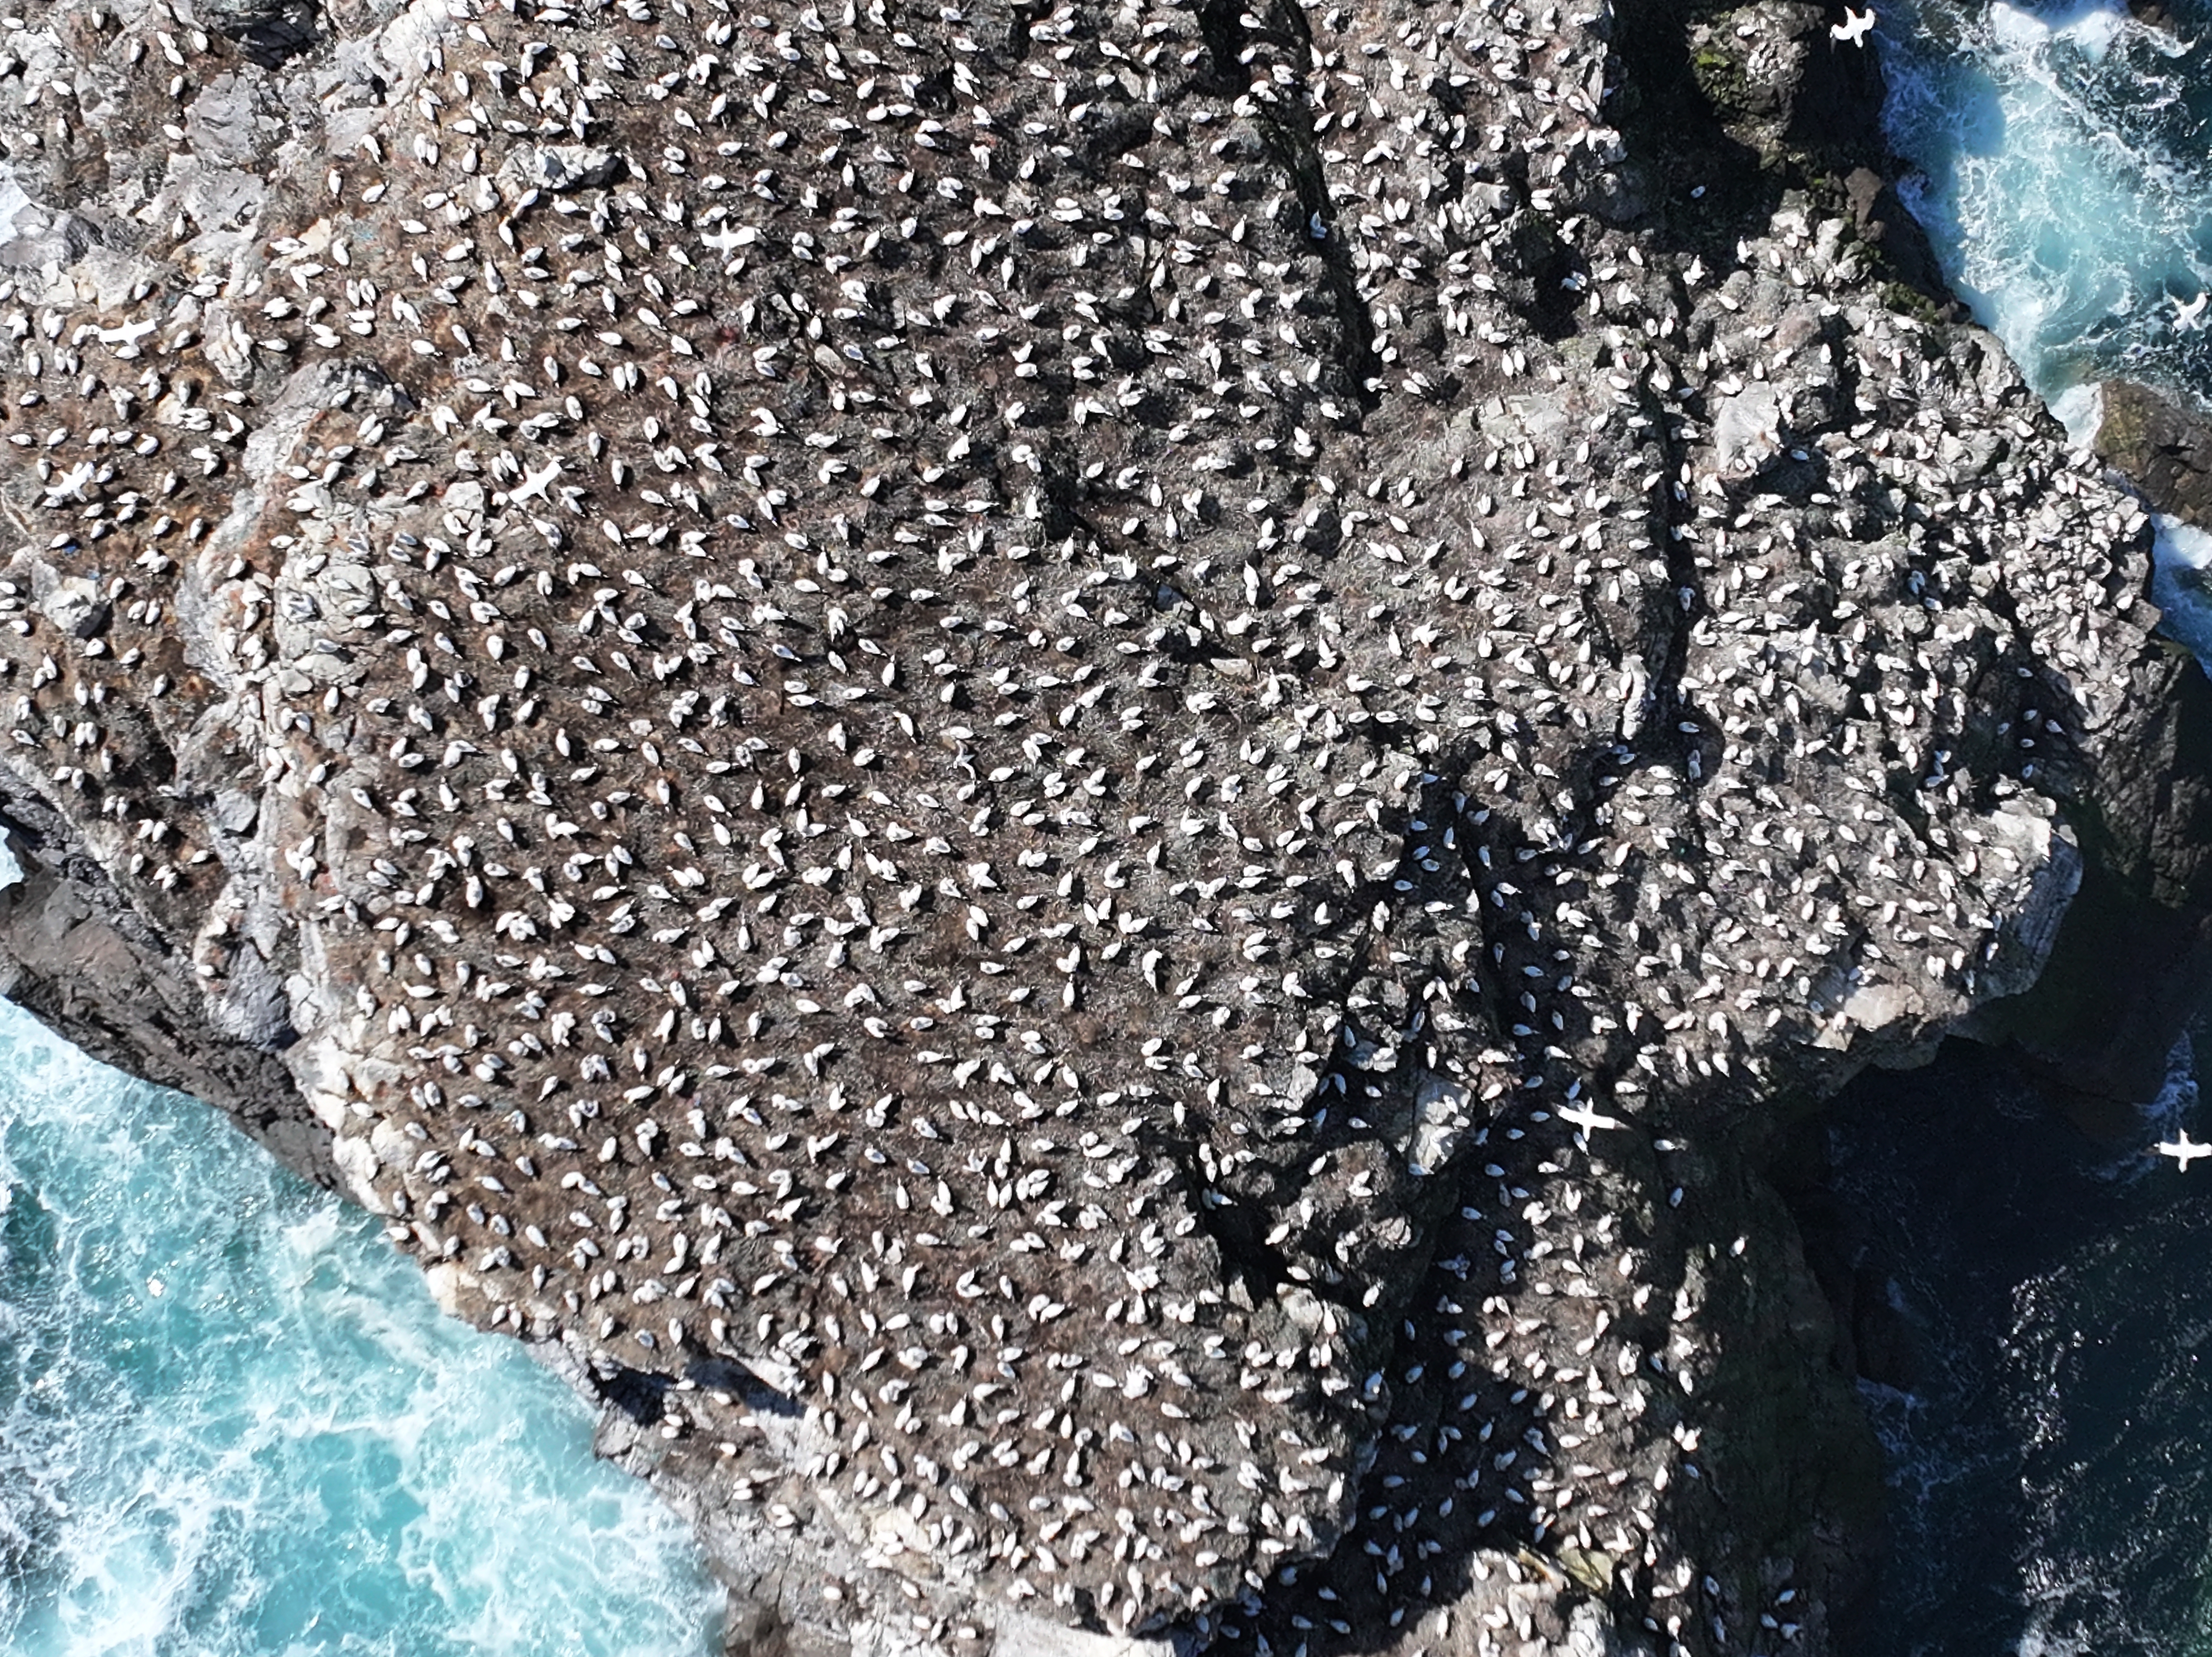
2164	448
1781	82
1881	218
2132	966
269	32
2131	969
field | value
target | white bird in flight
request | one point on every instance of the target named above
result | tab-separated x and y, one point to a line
2183	1150
1855	27
534	482
1586	1118
2188	315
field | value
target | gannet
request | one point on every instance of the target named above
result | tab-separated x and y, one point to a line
1583	1116
2184	1150
1855	27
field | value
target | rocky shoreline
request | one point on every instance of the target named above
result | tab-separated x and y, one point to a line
1086	788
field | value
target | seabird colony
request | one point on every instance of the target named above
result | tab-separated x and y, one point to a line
944	731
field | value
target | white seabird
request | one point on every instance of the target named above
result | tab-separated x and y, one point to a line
1583	1116
2184	1150
1855	27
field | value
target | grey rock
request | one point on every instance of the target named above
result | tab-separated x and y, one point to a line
559	167
76	608
953	811
2164	448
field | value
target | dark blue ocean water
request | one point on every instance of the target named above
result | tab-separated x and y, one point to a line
2051	1457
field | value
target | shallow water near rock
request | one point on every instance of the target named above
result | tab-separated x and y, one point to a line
2064	158
231	1422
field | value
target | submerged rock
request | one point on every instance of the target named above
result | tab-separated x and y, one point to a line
1080	788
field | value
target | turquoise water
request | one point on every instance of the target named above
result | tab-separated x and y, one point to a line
2064	158
2065	161
2051	1457
233	1422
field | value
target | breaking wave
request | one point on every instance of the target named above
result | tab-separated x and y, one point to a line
231	1422
2064	174
2064	158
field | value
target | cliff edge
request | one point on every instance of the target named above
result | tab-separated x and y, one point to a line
1080	784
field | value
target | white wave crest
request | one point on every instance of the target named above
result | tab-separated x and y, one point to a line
233	1422
2064	159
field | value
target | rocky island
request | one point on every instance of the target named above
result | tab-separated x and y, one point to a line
1088	788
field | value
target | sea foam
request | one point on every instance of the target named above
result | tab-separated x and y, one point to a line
2063	158
231	1422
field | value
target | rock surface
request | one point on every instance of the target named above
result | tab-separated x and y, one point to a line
2132	964
2164	448
1080	785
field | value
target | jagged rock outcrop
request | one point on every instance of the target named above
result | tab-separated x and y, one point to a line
2132	964
1078	783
